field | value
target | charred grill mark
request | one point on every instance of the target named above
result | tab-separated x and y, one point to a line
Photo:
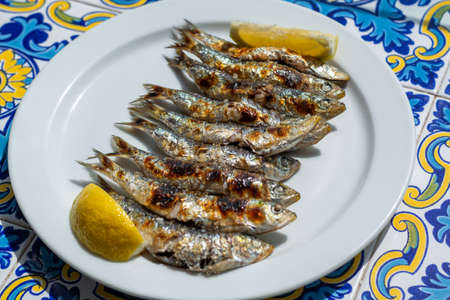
244	184
164	196
165	254
207	81
256	215
214	175
179	168
204	262
304	107
231	205
278	131
248	114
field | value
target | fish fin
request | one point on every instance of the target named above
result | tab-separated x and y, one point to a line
155	91
105	162
93	167
124	148
145	119
111	154
177	45
140	100
148	110
191	27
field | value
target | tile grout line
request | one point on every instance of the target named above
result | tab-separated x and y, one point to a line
425	120
424	92
31	240
442	80
96	6
381	236
13	222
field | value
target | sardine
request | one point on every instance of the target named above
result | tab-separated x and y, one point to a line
207	177
277	167
262	140
291	103
267	71
189	248
213	212
245	111
285	56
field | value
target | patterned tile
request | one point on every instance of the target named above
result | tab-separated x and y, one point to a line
13	241
41	274
29	38
420	106
444	89
118	5
404	43
9	209
339	284
410	260
411	257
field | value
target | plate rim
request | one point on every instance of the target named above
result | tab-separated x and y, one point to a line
13	140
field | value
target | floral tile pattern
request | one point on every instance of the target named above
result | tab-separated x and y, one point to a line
416	61
413	250
13	241
409	261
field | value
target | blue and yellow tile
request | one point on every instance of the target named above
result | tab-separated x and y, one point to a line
444	89
412	251
41	274
411	36
30	35
416	49
121	5
13	242
420	103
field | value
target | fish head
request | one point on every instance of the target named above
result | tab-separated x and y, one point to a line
282	194
276	216
280	167
329	108
332	90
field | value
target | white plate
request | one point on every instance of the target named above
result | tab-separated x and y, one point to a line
351	182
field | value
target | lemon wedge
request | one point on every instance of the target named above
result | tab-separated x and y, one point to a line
304	42
103	227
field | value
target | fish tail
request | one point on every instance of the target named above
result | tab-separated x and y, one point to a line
181	61
138	123
111	154
124	149
184	41
148	110
178	45
139	101
105	166
191	27
177	61
155	92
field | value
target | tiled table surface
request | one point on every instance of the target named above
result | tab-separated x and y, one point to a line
409	260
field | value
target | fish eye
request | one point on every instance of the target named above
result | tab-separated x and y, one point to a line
284	162
326	87
276	209
278	189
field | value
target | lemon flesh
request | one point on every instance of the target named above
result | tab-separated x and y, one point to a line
103	227
304	42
